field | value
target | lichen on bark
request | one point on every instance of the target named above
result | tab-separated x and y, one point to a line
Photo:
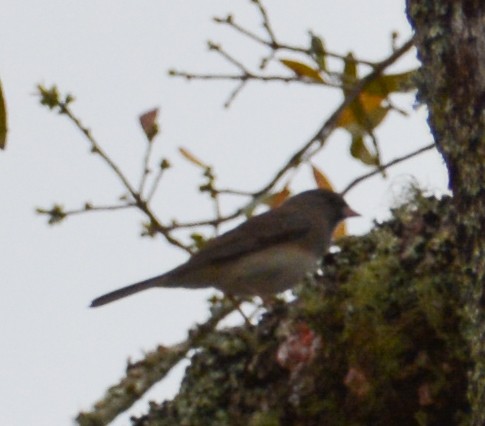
450	39
376	340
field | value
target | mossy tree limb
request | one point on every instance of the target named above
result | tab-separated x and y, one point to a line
376	341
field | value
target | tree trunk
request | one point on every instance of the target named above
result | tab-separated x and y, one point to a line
450	38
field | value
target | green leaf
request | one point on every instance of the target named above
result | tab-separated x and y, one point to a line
359	150
349	76
56	214
51	98
317	49
3	120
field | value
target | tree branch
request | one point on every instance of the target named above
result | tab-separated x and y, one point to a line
330	124
142	375
386	166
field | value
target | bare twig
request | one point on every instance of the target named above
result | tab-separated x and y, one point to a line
91	208
234	94
330	124
139	201
217	48
208	222
234	192
275	45
386	166
96	148
313	145
145	166
252	76
156	182
229	20
266	23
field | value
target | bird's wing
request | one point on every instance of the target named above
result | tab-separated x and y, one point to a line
254	235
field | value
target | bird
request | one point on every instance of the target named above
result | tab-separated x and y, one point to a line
265	255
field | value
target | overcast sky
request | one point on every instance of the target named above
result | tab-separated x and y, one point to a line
58	356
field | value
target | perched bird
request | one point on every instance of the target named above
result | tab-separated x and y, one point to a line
267	254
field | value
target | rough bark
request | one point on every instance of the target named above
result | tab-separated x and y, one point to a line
376	341
450	38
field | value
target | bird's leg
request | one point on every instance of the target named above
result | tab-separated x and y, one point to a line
237	305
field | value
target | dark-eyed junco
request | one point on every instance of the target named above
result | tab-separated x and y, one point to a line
265	255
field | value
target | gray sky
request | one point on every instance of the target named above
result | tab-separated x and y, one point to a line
58	356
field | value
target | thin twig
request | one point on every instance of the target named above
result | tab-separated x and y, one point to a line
208	222
386	166
234	94
308	150
155	184
90	208
251	76
275	45
137	197
235	192
145	165
330	124
228	57
218	214
96	148
229	20
266	24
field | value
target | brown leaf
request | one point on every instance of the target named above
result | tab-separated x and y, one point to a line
3	120
149	124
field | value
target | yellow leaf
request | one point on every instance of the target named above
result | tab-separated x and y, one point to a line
192	158
359	110
302	70
320	179
340	231
3	120
276	199
370	101
386	84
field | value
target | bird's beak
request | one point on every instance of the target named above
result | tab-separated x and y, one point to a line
348	212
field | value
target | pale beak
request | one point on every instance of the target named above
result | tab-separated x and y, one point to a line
348	212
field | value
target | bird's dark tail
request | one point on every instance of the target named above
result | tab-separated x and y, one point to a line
127	291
